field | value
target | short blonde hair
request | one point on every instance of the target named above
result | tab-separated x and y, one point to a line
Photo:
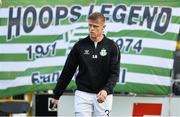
97	15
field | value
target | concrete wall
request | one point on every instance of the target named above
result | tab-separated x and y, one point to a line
130	105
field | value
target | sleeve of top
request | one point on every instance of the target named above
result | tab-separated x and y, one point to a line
114	69
67	72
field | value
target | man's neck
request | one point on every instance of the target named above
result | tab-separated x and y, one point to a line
98	39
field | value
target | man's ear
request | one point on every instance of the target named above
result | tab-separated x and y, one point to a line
104	27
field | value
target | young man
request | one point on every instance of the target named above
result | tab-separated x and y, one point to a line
98	59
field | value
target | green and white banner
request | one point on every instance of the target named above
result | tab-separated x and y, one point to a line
36	37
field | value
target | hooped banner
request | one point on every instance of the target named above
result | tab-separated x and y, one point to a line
36	37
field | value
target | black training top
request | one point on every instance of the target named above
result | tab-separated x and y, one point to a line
98	67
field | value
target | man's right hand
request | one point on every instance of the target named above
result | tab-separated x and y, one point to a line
55	103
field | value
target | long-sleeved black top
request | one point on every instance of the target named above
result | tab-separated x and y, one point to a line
99	67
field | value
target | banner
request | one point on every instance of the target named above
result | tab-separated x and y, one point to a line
36	37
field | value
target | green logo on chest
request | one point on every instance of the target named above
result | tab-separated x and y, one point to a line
103	52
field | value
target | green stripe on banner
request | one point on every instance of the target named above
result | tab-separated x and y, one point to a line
31	88
173	3
6	3
158	52
175	19
86	27
13	57
153	52
43	70
147	69
23	57
33	39
3	21
46	70
66	21
143	34
143	89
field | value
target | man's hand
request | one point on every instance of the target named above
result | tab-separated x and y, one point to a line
101	96
55	103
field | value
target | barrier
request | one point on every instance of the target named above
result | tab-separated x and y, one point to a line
41	106
8	107
130	106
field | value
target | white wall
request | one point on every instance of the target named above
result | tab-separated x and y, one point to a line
124	105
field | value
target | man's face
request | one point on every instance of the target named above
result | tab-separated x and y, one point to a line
96	28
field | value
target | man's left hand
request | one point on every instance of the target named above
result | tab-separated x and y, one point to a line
101	96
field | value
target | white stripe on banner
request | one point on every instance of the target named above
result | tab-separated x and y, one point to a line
62	44
147	61
22	48
40	62
52	30
175	11
60	29
130	77
81	31
54	61
116	27
19	81
147	79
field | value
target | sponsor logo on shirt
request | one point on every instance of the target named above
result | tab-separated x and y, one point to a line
86	51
